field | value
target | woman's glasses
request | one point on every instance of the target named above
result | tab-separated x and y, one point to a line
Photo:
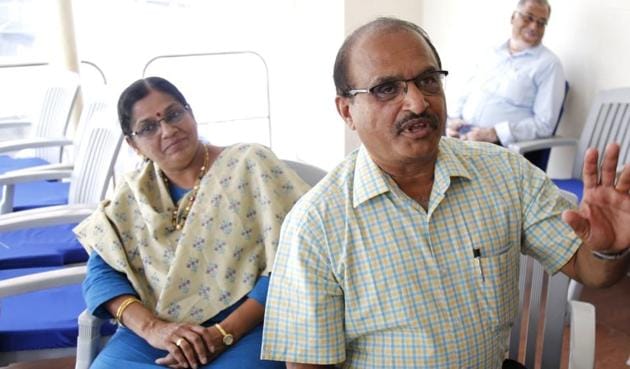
149	127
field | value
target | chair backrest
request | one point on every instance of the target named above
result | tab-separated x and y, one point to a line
542	305
94	163
608	121
540	158
542	299
309	173
54	115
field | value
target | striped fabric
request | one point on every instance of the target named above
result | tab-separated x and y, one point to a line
366	277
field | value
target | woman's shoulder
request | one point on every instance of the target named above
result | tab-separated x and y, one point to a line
251	152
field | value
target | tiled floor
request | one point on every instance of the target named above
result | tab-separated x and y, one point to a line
613	331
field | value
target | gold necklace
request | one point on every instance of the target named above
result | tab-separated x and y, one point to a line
178	220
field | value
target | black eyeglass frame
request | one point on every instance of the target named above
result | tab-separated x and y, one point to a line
417	81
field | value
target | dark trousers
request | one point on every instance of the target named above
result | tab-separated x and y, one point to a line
511	364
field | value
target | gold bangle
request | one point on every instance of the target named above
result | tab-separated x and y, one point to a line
123	306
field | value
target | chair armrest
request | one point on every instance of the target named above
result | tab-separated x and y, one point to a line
41	281
89	339
40	168
582	336
21	176
33	143
545	143
48	216
13	122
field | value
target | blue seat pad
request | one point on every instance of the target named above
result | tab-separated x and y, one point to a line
40	194
572	185
42	319
39	247
8	163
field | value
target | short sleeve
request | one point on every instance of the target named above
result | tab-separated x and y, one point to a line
546	236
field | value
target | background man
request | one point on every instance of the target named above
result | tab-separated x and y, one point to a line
517	91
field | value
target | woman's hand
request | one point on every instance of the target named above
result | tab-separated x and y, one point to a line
188	345
197	345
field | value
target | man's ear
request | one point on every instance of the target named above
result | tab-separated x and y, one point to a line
343	108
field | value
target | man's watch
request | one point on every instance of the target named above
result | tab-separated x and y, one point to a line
228	339
610	256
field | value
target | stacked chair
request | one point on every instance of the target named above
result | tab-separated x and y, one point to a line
43	324
47	127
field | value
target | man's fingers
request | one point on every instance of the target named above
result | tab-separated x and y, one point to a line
454	124
452	133
609	165
589	170
623	184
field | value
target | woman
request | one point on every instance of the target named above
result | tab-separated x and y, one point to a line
180	257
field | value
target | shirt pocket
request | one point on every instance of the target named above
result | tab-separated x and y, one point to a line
499	286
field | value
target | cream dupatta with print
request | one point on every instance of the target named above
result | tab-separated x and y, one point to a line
228	240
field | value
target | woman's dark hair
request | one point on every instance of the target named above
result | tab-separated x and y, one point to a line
138	91
383	24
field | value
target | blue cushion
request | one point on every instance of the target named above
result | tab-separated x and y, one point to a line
41	246
40	194
8	163
572	185
42	319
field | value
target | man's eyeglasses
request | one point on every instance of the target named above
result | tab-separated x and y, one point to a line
528	18
149	127
429	83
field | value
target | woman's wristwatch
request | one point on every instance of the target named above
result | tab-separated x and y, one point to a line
610	255
228	339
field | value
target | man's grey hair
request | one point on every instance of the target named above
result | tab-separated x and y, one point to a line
521	3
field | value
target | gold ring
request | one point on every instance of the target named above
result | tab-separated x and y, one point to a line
179	342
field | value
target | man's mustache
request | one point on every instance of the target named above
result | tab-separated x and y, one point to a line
431	119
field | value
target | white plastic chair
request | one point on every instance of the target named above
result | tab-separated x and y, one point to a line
90	176
533	281
95	155
608	121
50	122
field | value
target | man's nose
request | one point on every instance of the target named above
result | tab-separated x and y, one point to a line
414	100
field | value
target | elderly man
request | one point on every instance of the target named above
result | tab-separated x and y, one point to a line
516	93
406	254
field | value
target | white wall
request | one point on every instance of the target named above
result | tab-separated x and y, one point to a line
592	38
